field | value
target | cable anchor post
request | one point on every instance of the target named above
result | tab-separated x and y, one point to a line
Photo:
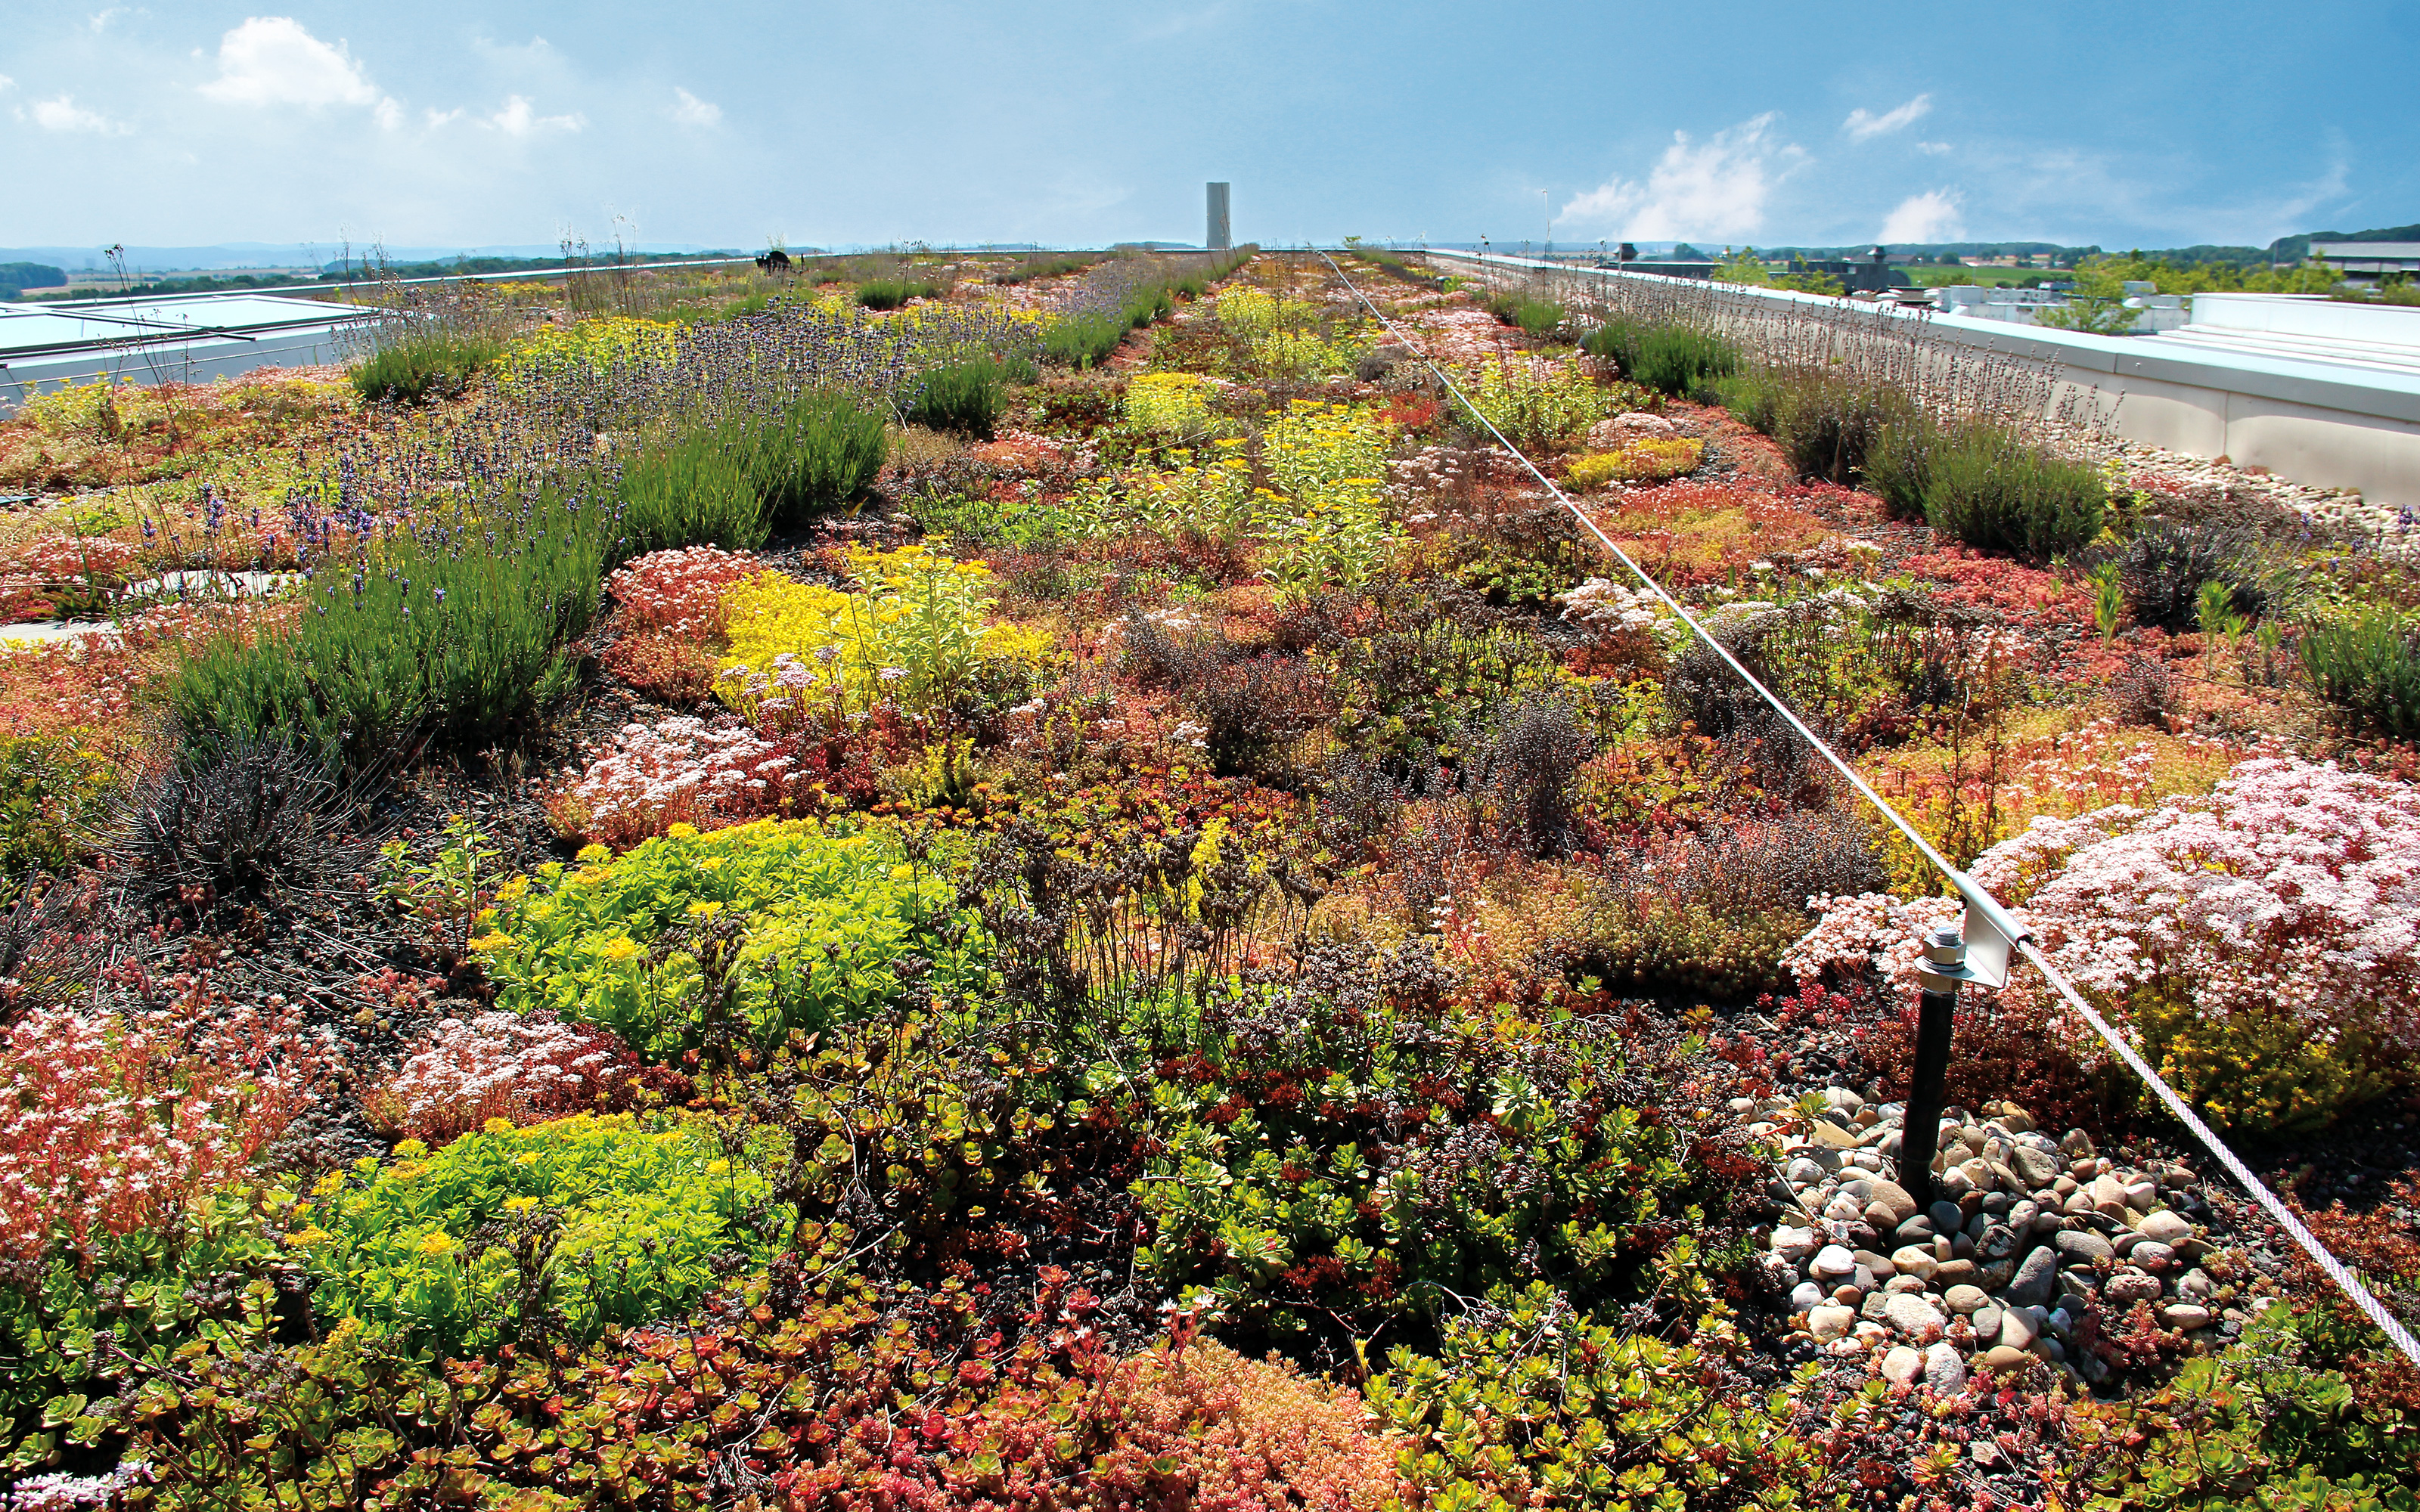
1944	969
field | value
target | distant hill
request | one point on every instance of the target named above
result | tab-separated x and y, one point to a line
2294	249
15	278
1930	250
2206	254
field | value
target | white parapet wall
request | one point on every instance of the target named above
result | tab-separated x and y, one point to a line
2331	404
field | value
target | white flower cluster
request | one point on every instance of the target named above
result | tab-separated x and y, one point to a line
1460	335
1872	929
2291	886
678	592
501	1066
1606	608
1831	607
1179	621
679	770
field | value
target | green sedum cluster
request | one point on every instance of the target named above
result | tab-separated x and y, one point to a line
747	932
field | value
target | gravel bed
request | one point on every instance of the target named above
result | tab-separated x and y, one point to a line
2033	1246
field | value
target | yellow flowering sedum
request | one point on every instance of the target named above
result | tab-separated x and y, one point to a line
915	634
1538	405
1644	462
1169	405
1332	529
598	346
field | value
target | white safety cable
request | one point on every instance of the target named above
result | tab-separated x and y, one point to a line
1969	888
2336	1270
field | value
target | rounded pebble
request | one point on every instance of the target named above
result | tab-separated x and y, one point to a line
1912	1313
2165	1227
1944	1371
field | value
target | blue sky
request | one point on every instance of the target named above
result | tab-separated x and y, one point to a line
470	122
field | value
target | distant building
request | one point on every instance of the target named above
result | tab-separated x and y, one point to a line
1870	274
2365	262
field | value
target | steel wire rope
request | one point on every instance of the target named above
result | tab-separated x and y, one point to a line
1968	889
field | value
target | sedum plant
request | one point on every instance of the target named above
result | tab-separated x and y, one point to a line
746	933
2263	943
1644	462
1530	1404
1277	1203
1330	526
635	1214
1168	406
916	635
559	1231
1538	405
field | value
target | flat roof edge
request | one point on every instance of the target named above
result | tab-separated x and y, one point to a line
2380	396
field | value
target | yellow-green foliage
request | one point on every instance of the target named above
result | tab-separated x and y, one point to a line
802	924
915	633
2256	1069
1247	310
796	648
1661	943
1281	335
1170	404
1644	462
943	330
1328	461
112	410
642	1209
1538	405
1318	452
109	433
1212	497
1303	354
1535	1407
53	788
96	408
598	346
1635	940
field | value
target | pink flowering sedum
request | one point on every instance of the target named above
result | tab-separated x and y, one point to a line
679	592
111	1124
466	1071
2292	888
678	771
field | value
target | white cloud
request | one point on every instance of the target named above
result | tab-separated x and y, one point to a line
690	111
1863	127
2327	187
519	118
1932	216
101	19
439	117
65	115
6	83
1709	190
271	60
389	114
1935	149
